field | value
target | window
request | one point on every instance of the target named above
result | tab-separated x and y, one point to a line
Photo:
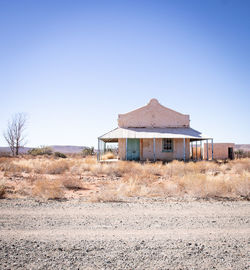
167	145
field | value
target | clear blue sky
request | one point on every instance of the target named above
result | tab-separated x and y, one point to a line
72	66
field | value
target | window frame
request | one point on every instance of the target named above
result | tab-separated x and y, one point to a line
172	144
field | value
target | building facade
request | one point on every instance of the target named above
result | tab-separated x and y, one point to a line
153	132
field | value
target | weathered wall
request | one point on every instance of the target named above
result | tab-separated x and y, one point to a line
122	149
147	150
178	149
220	150
153	115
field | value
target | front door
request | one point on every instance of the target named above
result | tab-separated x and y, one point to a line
230	153
133	149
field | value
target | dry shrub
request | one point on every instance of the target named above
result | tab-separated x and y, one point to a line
83	165
90	160
240	165
57	167
198	179
137	182
107	194
14	166
108	155
23	189
72	183
203	186
39	165
48	189
51	166
242	185
2	190
121	168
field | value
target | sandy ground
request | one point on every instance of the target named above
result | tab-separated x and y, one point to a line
139	234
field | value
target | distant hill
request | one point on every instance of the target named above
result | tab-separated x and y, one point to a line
244	147
22	150
66	149
72	149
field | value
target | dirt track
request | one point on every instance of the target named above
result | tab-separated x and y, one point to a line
135	235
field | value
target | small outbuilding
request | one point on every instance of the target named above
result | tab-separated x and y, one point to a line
220	150
154	132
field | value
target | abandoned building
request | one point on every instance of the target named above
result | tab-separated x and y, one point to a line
154	132
220	150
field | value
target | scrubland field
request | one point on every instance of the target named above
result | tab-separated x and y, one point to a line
75	213
85	178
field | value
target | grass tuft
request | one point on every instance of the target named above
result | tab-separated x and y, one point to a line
48	189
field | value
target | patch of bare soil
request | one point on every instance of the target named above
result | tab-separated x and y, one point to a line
136	234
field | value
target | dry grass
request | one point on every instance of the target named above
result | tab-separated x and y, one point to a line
2	190
108	155
49	178
107	194
72	183
48	189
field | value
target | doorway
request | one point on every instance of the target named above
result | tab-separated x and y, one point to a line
230	153
133	149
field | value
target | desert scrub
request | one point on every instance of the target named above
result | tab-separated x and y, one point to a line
107	194
48	189
73	183
43	150
2	190
14	166
108	155
197	179
60	155
51	167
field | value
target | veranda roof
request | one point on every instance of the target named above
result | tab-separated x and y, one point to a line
149	133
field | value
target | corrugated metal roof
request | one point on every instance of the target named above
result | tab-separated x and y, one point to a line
143	133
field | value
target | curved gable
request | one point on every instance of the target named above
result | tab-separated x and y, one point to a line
153	115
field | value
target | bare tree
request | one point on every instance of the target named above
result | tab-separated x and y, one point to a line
14	134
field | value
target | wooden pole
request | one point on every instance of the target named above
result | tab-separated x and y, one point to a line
154	148
184	149
207	149
201	149
126	146
196	152
192	149
98	151
212	149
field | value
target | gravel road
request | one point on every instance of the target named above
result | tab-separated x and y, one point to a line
139	234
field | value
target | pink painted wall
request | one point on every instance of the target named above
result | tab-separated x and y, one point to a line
122	149
147	150
220	150
153	115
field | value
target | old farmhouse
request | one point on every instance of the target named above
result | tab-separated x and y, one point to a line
154	132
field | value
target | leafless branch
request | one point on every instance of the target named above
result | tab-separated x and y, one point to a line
14	134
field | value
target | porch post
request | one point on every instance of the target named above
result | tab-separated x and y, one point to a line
201	150
212	149
184	149
98	150
207	149
126	146
192	150
196	152
154	147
